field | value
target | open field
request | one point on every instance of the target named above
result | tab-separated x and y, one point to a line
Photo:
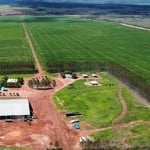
99	105
15	53
128	137
63	39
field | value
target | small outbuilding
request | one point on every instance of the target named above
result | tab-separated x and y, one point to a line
93	83
12	81
85	76
15	108
94	75
68	76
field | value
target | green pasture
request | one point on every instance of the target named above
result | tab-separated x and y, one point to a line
98	105
13	43
136	110
61	39
136	137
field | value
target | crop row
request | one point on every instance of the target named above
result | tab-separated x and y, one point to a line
62	40
15	53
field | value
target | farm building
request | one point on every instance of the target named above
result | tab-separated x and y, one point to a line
85	76
94	82
12	81
94	75
68	76
15	108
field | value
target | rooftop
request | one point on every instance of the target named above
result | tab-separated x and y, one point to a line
14	107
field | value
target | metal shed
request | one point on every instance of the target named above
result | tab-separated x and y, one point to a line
14	108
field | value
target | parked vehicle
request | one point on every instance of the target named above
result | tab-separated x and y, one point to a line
77	126
72	114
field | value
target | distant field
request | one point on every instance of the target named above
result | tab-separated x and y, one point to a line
139	21
61	39
14	48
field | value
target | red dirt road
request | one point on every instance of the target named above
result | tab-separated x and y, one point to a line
48	128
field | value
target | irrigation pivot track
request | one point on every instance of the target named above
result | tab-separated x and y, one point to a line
38	65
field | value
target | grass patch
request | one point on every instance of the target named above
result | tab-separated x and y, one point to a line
107	135
136	110
136	137
99	105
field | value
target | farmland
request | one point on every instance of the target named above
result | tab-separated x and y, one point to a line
15	53
64	39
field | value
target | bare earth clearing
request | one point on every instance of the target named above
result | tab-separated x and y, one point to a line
49	127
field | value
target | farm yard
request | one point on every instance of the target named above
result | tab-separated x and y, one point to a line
103	115
99	105
15	53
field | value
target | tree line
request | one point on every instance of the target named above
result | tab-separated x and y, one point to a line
129	77
17	67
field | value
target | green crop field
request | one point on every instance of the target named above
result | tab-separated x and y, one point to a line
14	47
61	39
13	43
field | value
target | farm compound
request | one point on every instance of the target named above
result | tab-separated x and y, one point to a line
15	108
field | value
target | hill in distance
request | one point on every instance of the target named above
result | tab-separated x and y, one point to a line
138	2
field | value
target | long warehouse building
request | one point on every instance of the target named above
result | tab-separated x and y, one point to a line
14	108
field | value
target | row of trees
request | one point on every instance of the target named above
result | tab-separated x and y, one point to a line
129	77
17	67
134	80
42	83
75	66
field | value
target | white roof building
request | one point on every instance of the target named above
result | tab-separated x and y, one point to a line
14	107
94	82
12	80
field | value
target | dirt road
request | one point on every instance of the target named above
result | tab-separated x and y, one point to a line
136	27
123	106
38	65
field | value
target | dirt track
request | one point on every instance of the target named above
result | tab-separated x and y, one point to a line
123	106
125	125
136	27
38	65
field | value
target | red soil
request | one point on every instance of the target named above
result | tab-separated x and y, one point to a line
49	127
